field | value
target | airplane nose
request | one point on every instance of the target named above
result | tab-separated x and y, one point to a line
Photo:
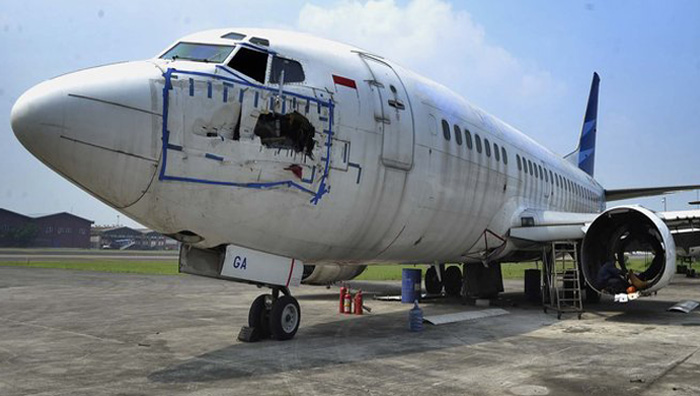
98	128
37	118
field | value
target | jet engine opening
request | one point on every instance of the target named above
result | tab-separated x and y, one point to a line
638	251
286	131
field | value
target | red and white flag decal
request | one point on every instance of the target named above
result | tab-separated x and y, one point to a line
344	81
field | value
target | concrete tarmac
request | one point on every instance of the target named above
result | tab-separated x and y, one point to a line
66	332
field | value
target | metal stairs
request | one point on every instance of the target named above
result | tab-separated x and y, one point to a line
561	279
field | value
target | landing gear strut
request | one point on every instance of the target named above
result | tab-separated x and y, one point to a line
272	315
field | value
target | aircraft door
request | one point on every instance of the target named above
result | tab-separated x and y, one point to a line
393	114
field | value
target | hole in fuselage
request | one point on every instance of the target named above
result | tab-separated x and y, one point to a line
289	131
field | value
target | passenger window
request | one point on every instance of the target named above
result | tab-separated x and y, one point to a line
293	72
496	152
487	147
478	142
251	63
432	124
446	130
458	135
546	177
537	175
529	165
504	154
541	175
468	138
551	177
517	160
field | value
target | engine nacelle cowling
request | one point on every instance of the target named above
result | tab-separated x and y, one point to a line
626	229
328	273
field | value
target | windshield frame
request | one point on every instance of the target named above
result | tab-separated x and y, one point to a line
221	56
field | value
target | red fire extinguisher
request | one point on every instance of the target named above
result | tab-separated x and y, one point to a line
348	303
343	292
358	303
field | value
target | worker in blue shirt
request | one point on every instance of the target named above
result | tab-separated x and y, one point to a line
612	278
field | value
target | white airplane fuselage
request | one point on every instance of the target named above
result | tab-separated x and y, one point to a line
172	143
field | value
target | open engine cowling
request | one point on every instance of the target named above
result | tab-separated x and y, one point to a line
628	229
329	273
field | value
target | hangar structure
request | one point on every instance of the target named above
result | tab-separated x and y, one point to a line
58	230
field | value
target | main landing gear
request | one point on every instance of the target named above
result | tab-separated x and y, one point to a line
451	280
274	315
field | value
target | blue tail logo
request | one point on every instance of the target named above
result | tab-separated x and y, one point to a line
586	145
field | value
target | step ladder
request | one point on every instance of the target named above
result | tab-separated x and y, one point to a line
561	279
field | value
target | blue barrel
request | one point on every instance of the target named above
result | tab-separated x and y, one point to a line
410	285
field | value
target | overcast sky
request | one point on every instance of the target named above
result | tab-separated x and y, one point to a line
527	62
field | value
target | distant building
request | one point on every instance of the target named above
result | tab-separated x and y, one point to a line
59	230
157	241
124	238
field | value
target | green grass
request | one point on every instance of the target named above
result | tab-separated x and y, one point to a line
373	272
93	252
118	266
393	272
509	270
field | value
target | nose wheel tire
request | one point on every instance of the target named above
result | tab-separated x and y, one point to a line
258	316
285	317
432	282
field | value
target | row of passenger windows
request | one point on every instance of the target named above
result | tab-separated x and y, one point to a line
498	153
548	176
524	164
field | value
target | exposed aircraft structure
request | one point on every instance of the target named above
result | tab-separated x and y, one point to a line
277	157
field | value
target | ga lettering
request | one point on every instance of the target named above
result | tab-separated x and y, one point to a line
240	262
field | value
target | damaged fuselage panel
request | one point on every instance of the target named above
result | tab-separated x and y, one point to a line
286	131
226	132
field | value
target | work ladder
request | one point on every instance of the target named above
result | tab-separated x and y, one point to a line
561	279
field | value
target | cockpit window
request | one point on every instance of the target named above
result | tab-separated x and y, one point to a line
260	41
251	63
293	72
234	36
209	53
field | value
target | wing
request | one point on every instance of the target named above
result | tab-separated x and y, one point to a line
628	193
685	228
551	226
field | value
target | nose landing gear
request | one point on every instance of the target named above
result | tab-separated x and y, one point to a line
273	316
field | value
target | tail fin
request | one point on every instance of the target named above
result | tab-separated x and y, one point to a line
584	155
